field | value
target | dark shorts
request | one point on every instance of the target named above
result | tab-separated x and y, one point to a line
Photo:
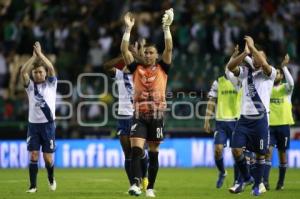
252	134
150	129
280	136
41	134
223	132
124	126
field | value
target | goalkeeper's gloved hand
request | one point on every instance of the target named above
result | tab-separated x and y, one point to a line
168	17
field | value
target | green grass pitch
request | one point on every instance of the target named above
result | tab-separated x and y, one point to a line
101	183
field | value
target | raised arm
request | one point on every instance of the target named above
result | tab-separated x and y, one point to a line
236	60
109	66
136	53
27	68
45	60
127	55
287	75
166	22
229	75
258	56
141	50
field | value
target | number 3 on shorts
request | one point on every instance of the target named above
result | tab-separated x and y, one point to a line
159	133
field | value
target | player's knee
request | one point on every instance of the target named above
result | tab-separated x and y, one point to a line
34	156
154	147
268	156
137	153
48	159
218	153
282	157
237	152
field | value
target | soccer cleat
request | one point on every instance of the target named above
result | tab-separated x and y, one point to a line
262	188
267	186
144	183
255	191
236	188
134	190
220	180
150	193
32	190
52	186
279	186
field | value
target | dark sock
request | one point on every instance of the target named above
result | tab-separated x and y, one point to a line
220	165
236	173
128	170
50	171
267	171
252	169
33	170
248	166
152	169
282	171
144	165
260	167
136	171
242	165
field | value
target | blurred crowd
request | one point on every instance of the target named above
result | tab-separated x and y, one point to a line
80	35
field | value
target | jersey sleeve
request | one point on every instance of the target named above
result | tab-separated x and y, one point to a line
289	80
273	74
29	86
52	81
243	72
288	89
233	79
213	93
118	74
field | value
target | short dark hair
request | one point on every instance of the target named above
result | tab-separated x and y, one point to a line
280	69
150	45
38	64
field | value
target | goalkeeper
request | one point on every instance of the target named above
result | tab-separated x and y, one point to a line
149	82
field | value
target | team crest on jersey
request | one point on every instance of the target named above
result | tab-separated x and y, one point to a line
40	104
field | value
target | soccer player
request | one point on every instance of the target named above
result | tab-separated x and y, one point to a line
280	120
250	156
125	110
252	130
225	95
40	83
150	81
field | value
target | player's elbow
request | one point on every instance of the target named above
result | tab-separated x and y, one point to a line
230	67
123	48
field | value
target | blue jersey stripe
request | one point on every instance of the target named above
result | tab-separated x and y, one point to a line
254	94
